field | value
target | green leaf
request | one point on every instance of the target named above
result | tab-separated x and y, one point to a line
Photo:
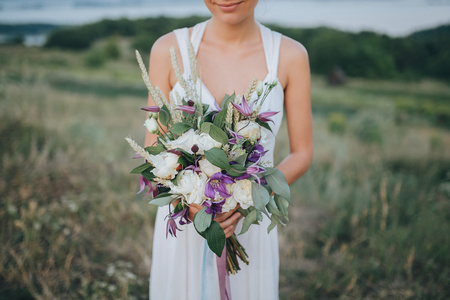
215	238
202	220
141	168
182	160
148	174
249	220
218	158
272	207
205	127
260	197
219	119
218	134
282	204
268	171
274	222
279	185
164	115
236	170
163	199
227	98
155	150
178	128
187	155
265	125
241	159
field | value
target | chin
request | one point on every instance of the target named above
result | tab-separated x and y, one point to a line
231	12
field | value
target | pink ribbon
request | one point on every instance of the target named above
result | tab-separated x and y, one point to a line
224	279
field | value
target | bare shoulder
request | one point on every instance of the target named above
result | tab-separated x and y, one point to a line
160	49
293	59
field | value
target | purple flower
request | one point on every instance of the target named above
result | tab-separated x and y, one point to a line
265	116
217	183
257	153
235	138
244	108
171	227
213	207
145	182
254	170
153	109
183	215
187	109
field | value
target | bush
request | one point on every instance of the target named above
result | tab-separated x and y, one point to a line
111	48
95	59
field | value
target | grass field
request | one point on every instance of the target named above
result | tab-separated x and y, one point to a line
371	218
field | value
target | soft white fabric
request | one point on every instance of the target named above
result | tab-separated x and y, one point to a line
177	262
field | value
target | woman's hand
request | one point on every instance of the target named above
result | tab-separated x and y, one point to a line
228	221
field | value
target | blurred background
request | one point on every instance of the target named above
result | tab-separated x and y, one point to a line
370	219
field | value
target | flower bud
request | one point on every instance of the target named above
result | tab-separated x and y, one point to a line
259	88
190	103
194	148
151	125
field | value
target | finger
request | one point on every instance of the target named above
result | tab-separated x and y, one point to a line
223	216
230	221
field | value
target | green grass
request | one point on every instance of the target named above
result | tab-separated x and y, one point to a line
370	218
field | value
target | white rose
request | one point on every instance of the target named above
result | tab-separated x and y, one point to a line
205	142
208	168
192	186
166	165
231	202
151	125
242	193
249	129
185	141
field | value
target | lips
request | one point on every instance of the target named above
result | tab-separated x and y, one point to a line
228	7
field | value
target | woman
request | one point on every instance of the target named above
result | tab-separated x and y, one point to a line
232	49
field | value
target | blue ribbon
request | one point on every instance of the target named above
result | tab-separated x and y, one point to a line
208	277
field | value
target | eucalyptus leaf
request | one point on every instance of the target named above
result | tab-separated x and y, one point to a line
219	119
215	238
236	170
274	222
205	127
260	197
155	150
218	158
279	185
202	220
141	168
249	220
268	171
163	201
272	207
282	204
241	159
226	99
148	175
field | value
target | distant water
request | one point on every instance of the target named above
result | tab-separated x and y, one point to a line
393	17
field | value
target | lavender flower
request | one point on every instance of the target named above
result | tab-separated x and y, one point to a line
171	227
217	183
143	183
183	215
254	170
235	138
257	153
153	109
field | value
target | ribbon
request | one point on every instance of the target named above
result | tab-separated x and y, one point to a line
208	284
224	279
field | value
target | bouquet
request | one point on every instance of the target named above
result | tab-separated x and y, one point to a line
212	157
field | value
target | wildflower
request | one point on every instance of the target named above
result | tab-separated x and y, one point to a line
171	227
151	125
213	207
143	183
153	109
217	183
187	108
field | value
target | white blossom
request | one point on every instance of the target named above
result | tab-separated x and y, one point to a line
151	125
242	193
166	165
208	168
192	186
249	129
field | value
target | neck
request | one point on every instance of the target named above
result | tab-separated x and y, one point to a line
236	34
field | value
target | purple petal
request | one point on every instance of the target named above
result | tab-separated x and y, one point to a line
153	109
217	176
247	109
265	116
187	109
222	189
242	177
209	191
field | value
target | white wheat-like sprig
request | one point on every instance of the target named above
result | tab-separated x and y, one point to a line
193	62
178	74
139	150
237	115
229	117
148	83
177	116
251	89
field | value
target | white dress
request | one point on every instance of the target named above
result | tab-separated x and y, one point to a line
176	271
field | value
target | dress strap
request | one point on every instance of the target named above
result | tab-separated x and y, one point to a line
182	36
197	35
271	43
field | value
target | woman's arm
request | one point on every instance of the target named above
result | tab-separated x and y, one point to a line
296	79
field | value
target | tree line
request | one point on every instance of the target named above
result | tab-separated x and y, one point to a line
364	54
